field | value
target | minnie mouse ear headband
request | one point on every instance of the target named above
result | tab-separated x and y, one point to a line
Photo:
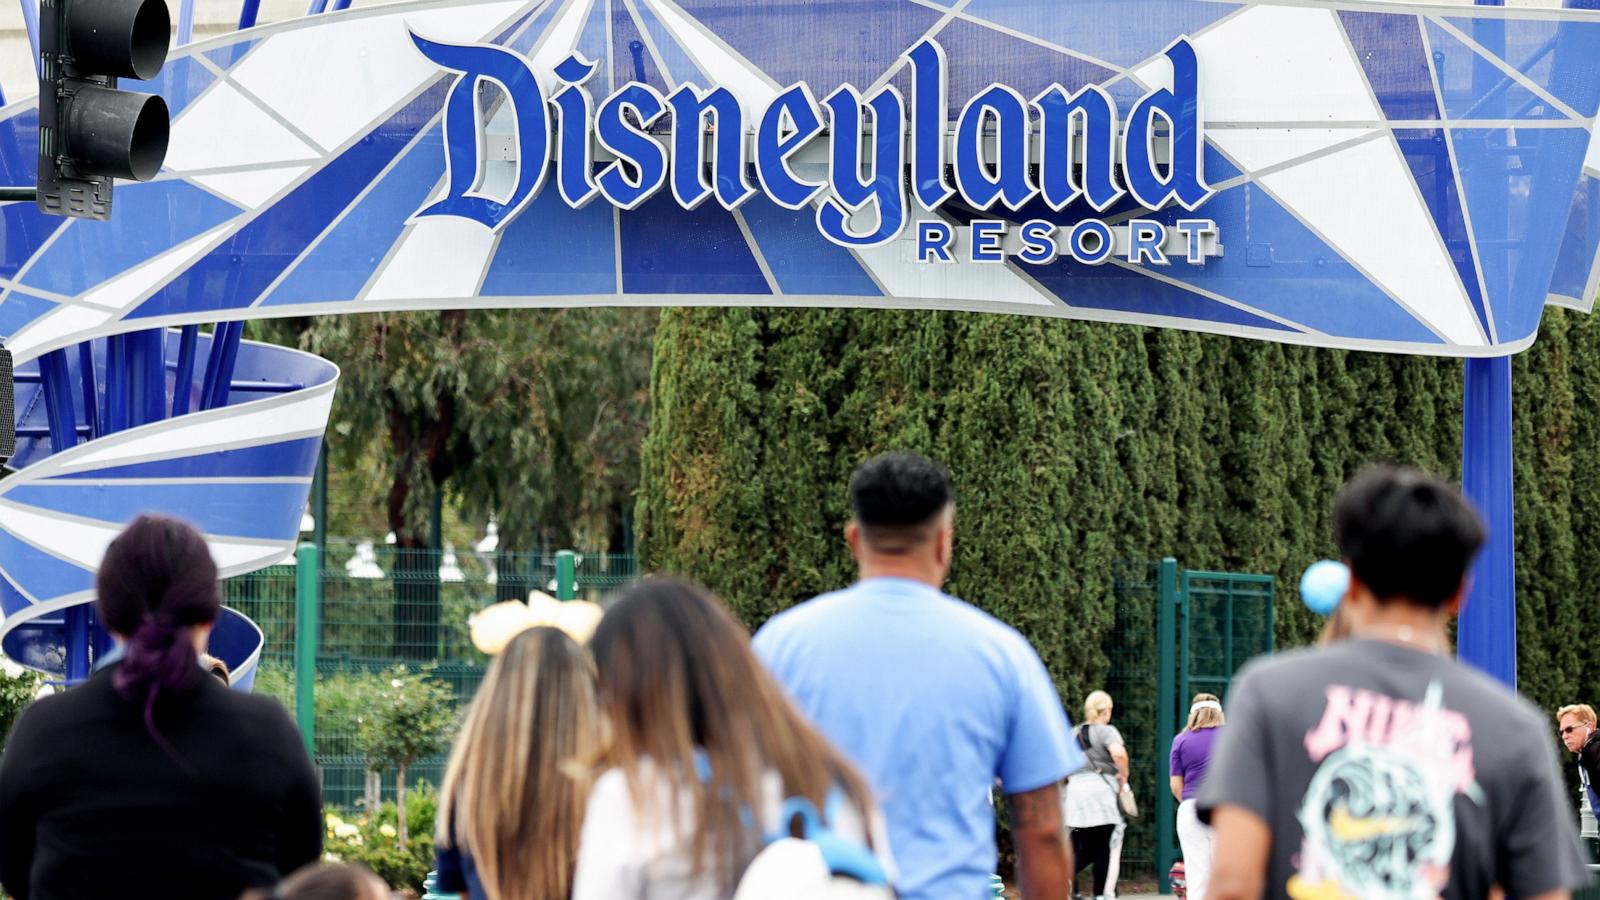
493	627
1206	704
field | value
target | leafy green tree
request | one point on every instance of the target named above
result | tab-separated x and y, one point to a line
411	716
532	416
18	687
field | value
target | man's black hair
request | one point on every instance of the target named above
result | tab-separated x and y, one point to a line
1406	534
897	499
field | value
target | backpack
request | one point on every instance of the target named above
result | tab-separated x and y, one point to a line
811	861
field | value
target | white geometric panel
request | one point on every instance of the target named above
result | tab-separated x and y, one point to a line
364	66
262	422
51	328
440	256
1591	160
224	129
1251	72
1398	249
1255	149
556	44
84	543
253	188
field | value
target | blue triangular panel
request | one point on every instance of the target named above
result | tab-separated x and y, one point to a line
37	572
631	59
264	511
673	56
592	44
801	259
147	221
1288	266
667	249
1015	63
852	44
346	258
523	42
1580	247
1121	32
286	459
1112	288
23	228
1390	49
1518	211
1217	167
1533	46
1474	89
18	309
551	248
222	280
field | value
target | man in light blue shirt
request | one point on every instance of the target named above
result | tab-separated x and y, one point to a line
931	697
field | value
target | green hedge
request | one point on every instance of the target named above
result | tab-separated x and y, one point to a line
1074	445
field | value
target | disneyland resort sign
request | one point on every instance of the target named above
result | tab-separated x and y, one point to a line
994	158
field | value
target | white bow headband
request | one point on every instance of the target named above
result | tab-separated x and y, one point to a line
1206	704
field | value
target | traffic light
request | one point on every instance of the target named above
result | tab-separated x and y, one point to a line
90	132
8	408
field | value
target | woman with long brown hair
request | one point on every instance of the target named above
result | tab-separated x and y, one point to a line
704	748
512	801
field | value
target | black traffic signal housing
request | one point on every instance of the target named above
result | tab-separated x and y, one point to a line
89	132
8	408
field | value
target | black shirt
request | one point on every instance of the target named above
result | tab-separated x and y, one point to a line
92	806
1589	761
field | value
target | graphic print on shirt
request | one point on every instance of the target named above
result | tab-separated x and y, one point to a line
1379	814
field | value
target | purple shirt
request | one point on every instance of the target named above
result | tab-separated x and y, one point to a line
1191	750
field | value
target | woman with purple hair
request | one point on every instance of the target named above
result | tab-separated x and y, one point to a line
152	778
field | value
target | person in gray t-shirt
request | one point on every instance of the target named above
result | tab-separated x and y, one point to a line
1380	766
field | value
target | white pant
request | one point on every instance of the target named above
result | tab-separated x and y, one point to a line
1114	867
1198	842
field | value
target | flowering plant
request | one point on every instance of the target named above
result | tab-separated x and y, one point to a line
374	841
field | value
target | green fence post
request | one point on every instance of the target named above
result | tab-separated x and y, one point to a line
307	585
566	575
1166	709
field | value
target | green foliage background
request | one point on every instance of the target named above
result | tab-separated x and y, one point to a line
1076	444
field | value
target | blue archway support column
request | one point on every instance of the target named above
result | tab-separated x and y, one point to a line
1487	635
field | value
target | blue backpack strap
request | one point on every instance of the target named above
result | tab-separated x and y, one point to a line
843	857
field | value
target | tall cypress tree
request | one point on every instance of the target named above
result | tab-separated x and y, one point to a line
1078	444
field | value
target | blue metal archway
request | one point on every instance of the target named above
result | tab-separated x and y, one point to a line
1419	178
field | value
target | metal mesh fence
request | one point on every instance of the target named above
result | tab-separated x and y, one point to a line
1223	619
383	606
1133	649
1227	620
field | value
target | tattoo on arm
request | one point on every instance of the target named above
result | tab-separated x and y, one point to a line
1040	808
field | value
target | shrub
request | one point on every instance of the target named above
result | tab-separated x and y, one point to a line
374	840
18	687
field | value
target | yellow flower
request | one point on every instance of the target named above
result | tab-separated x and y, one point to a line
387	830
333	821
346	831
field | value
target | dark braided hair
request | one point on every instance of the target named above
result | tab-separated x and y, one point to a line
156	583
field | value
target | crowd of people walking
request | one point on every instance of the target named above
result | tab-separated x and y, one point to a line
851	748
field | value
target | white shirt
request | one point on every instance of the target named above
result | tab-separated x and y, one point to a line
621	857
